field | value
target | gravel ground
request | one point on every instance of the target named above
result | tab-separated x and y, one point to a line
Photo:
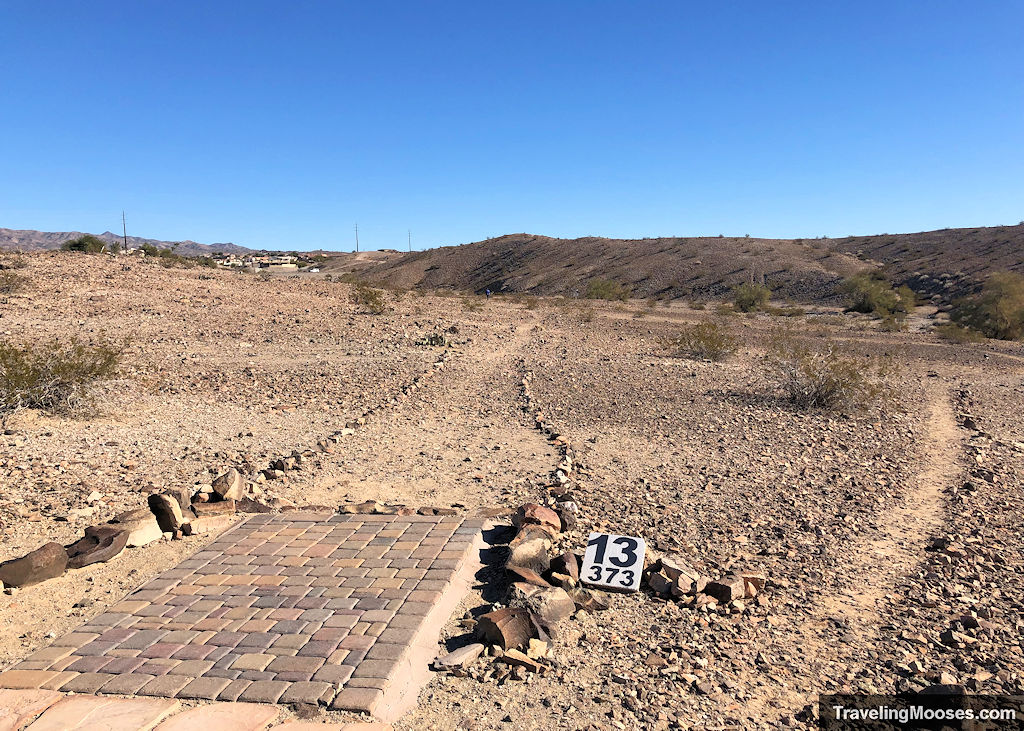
878	531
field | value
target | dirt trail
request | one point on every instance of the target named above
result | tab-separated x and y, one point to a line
898	548
460	439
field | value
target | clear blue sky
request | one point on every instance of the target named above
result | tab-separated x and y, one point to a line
280	125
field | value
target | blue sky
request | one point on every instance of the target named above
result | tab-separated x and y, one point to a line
281	125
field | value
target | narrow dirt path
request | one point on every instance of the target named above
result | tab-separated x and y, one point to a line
898	548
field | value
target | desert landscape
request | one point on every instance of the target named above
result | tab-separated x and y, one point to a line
878	543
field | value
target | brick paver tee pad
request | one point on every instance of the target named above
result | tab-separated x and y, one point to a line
291	608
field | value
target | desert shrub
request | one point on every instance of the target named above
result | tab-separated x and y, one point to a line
472	305
586	314
788	311
532	303
12	282
695	305
894	323
954	333
997	311
705	341
606	289
370	300
749	297
86	244
871	293
827	375
13	261
54	375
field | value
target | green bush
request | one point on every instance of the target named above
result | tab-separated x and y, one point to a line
997	311
871	293
705	341
826	375
749	297
370	300
954	333
87	244
54	375
606	289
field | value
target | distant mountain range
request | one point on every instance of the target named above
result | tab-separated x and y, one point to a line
14	240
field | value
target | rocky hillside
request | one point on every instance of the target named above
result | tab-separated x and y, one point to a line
27	240
670	267
945	262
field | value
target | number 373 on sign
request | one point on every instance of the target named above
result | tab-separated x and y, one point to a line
613	562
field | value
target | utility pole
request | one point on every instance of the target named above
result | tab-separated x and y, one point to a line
357	238
410	241
124	232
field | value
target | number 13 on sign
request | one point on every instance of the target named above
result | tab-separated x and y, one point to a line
613	562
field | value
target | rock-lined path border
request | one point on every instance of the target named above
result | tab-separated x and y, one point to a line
336	610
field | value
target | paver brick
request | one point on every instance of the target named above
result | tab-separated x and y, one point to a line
282	608
264	691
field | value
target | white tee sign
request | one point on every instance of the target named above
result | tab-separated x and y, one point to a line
613	562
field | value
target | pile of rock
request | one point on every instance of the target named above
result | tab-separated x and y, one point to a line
672	578
132	529
544	592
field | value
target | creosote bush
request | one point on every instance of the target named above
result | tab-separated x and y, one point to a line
88	244
705	341
871	293
370	300
954	333
606	289
826	375
54	375
749	297
997	311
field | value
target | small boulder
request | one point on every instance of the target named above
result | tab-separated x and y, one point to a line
46	562
230	485
101	543
167	511
461	657
534	514
140	525
726	589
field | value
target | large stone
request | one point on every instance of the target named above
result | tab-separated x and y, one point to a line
550	605
141	526
529	549
727	589
167	511
673	568
230	485
101	543
46	562
534	514
224	507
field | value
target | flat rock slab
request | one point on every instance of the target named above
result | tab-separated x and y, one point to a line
18	707
300	607
109	714
222	717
